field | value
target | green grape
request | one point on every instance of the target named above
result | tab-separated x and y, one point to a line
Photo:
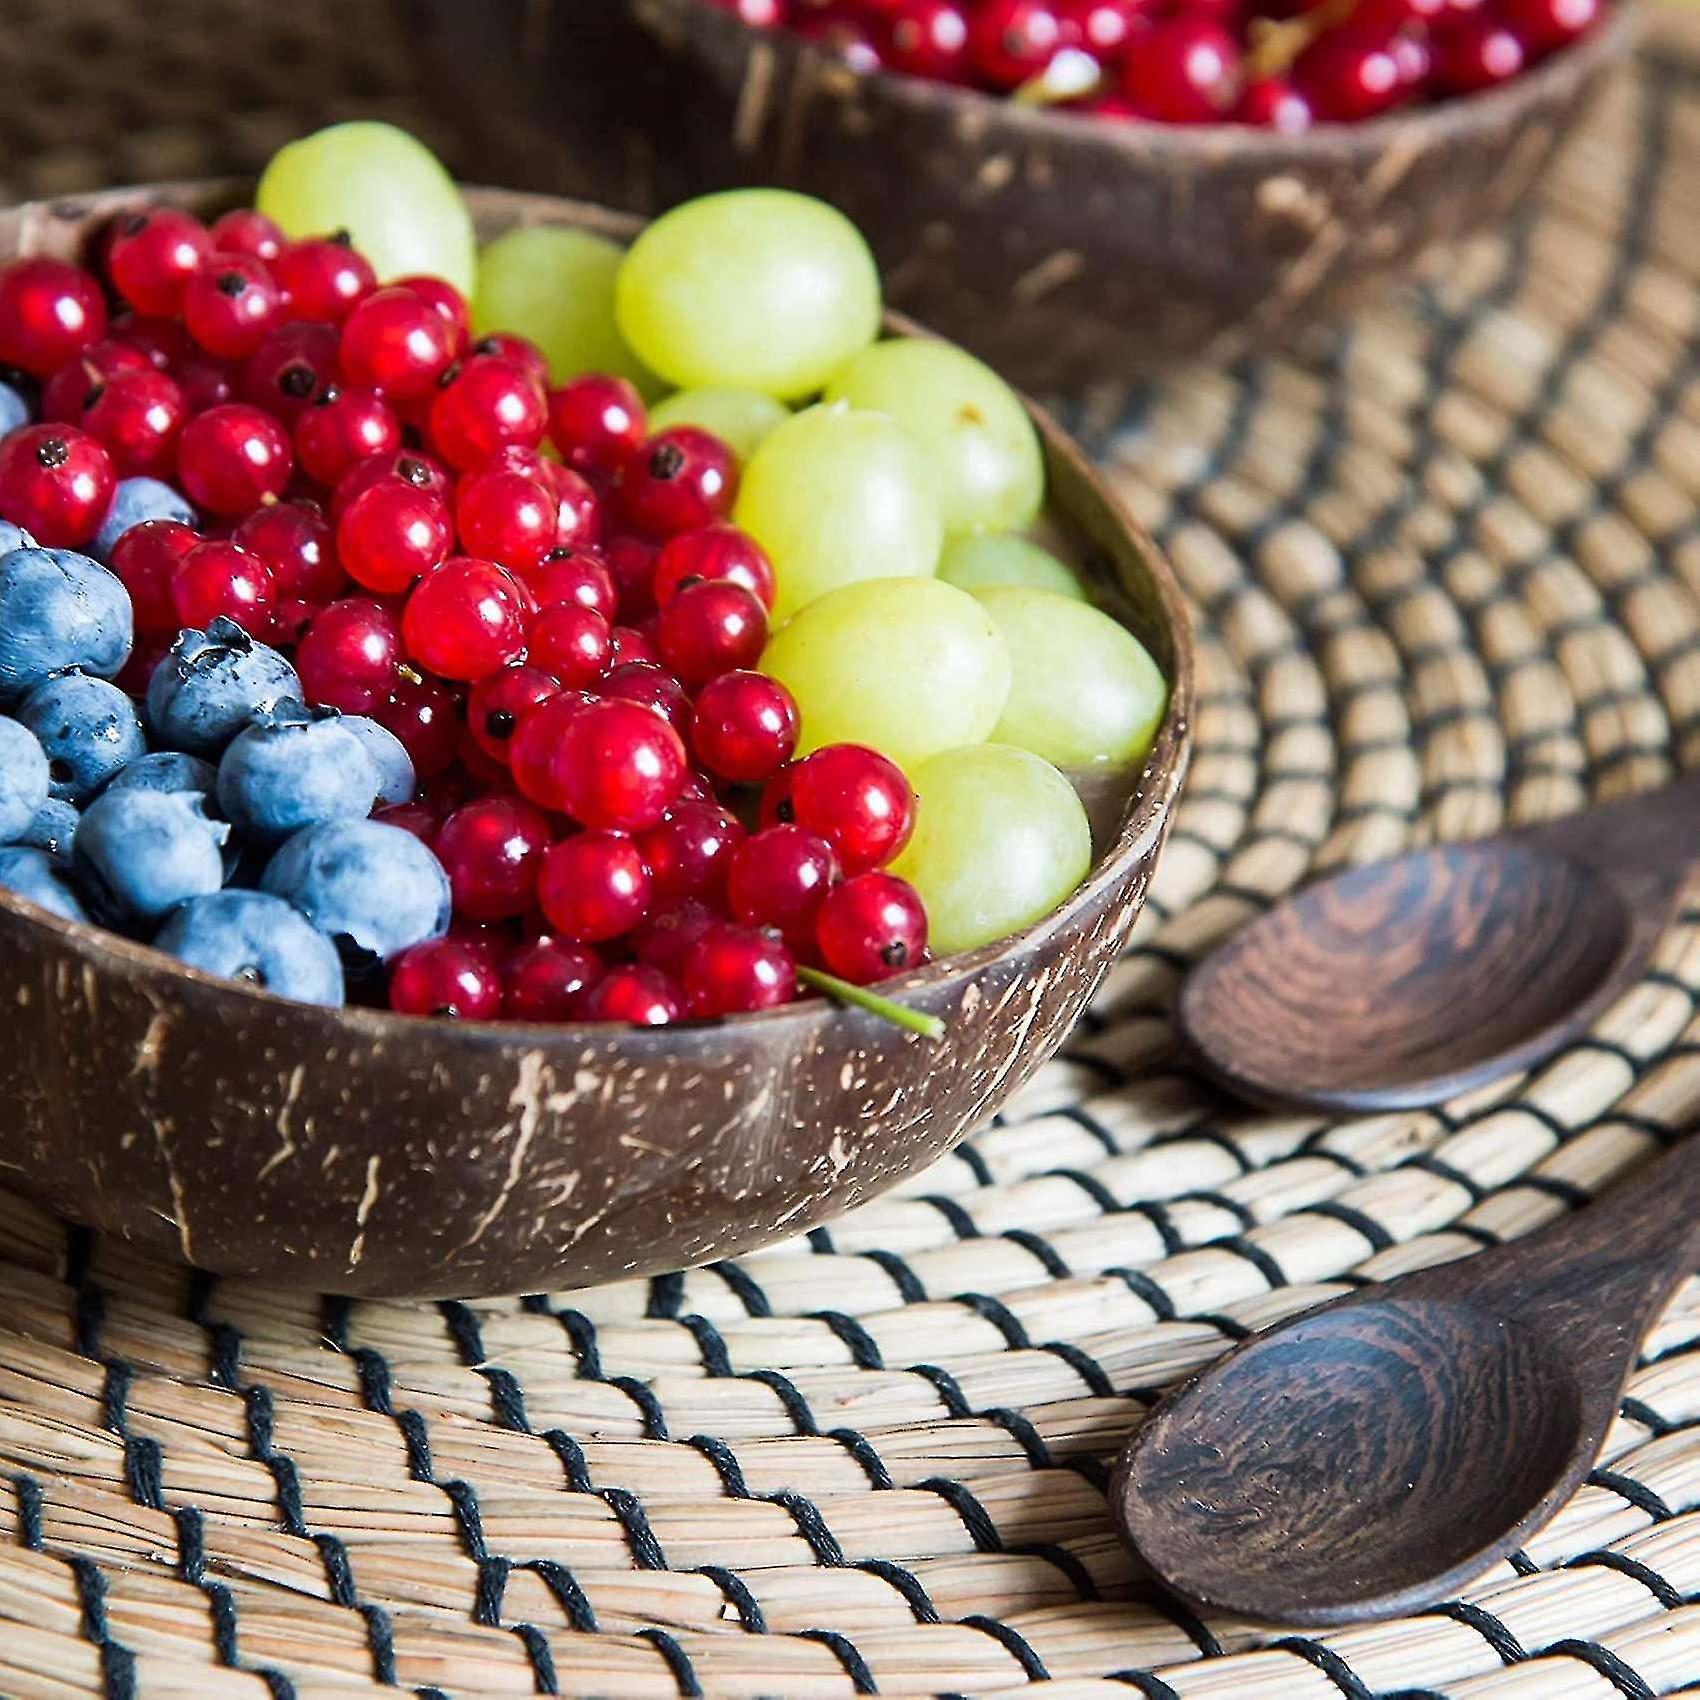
382	186
742	419
1083	689
1000	840
907	665
835	496
997	558
991	471
556	286
757	288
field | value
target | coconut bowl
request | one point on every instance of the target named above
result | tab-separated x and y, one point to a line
362	1152
1066	251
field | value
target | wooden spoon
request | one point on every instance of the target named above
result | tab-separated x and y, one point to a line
1404	983
1369	1457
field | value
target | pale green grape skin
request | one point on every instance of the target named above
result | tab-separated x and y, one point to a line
1084	690
742	419
835	496
1000	840
755	288
991	469
908	666
385	188
998	558
556	287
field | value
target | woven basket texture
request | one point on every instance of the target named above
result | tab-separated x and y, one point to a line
1447	565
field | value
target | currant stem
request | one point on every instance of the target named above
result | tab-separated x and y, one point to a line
898	1014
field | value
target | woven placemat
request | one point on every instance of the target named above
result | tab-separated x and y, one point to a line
1447	560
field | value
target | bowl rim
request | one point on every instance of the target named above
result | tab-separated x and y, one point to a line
1550	80
1158	786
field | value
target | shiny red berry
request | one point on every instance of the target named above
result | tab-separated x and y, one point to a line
1184	70
290	369
323	278
929	38
711	628
636	995
717	552
681	480
231	305
422	715
449	303
153	255
396	343
482	407
242	230
411	466
1012	41
652	687
632	645
144	559
162	341
870	927
632	562
597	423
745	727
611	766
348	656
572	643
205	380
520	350
1544	26
844	35
500	702
594	886
217	578
1104	28
72	387
410	817
505	516
231	458
447	979
294	539
667	937
492	849
1476	53
546	980
856	799
579	515
778	878
138	416
56	482
465	619
392	535
1346	76
49	312
575	576
690	853
734	970
1273	103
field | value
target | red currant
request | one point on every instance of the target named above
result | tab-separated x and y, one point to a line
1476	53
242	230
929	38
1544	26
290	370
291	616
871	926
632	562
421	713
717	552
219	578
231	458
778	879
411	466
205	381
680	480
666	938
445	978
506	517
578	523
153	255
1104	28
594	887
570	642
138	415
410	817
612	766
449	303
163	341
72	387
758	14
630	646
1012	41
56	482
397	343
1272	103
500	702
145	558
493	851
546	980
231	305
859	802
732	970
572	576
597	423
635	995
465	619
1184	70
323	278
50	311
653	688
482	407
745	727
711	628
1346	76
348	657
843	35
520	350
691	851
392	535
294	540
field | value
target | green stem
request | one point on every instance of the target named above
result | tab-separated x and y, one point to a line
898	1014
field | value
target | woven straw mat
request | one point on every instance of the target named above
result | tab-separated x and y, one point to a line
1447	563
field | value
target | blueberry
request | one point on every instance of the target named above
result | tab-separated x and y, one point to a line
372	889
58	610
14	537
54	829
292	770
23	779
35	875
212	684
388	755
135	500
167	770
141	853
89	729
249	936
14	410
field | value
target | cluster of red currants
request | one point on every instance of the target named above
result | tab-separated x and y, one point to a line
564	642
1278	64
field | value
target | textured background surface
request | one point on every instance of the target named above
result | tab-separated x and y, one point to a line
1447	565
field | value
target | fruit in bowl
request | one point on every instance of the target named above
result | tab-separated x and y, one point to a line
426	672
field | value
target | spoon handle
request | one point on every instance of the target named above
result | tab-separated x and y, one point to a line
1654	835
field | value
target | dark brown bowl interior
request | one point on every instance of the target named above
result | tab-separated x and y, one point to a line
1067	252
367	1153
